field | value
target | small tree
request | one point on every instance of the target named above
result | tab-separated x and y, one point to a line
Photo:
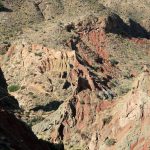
110	142
13	88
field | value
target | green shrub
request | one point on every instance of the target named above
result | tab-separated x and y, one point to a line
32	95
82	102
95	68
113	83
123	90
113	62
23	87
13	88
110	142
127	75
38	54
35	120
107	120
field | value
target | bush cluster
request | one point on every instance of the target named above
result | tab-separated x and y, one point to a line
13	88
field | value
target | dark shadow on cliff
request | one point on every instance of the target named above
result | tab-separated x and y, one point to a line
54	105
133	29
15	134
59	146
4	9
3	83
6	100
137	30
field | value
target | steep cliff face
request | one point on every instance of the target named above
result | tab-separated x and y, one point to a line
129	122
101	125
90	124
15	135
6	100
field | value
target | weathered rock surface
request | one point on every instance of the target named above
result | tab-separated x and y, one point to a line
103	125
71	74
15	134
47	74
130	118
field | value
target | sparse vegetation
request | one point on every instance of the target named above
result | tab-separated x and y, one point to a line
35	120
107	120
82	102
110	141
82	86
123	90
2	52
95	68
13	88
127	75
23	87
113	62
32	95
1	4
113	83
38	54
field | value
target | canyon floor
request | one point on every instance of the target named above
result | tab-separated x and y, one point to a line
74	75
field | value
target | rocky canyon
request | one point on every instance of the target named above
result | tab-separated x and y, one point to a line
74	75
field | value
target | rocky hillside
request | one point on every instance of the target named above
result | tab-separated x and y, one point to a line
15	134
137	10
76	72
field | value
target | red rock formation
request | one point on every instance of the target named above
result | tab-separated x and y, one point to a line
128	125
92	45
140	41
85	115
